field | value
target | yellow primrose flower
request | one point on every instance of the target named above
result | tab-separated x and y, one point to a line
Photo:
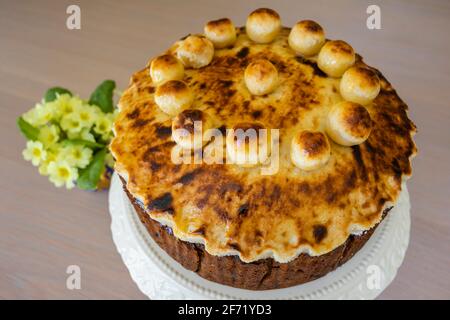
84	134
74	135
43	115
112	117
52	155
87	135
61	173
31	116
43	168
96	111
34	152
64	104
76	101
54	108
49	135
77	155
71	123
87	115
103	127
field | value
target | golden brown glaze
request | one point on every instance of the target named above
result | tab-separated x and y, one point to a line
236	210
314	143
221	32
357	120
306	38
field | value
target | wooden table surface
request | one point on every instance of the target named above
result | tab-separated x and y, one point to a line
44	229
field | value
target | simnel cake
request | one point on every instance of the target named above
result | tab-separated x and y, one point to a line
341	134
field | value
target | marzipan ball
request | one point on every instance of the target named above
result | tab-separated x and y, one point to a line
261	77
195	51
335	58
263	25
243	144
306	37
222	33
173	97
310	150
349	123
360	85
165	68
189	127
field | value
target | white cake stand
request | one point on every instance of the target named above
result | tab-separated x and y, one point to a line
158	276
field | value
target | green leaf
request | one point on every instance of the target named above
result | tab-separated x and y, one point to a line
90	175
30	132
103	96
85	143
50	95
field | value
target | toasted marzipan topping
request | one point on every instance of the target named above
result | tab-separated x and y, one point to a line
349	123
173	96
195	51
360	85
186	120
310	150
253	135
306	37
336	57
240	209
261	77
222	32
165	68
263	25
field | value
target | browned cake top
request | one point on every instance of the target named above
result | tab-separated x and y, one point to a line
234	209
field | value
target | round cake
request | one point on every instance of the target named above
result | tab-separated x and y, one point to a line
261	157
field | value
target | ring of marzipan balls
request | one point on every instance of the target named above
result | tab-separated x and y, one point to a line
261	77
263	25
348	123
195	51
173	97
306	37
335	58
247	156
221	33
310	150
194	123
360	85
165	68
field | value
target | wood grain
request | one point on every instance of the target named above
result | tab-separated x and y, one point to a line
44	229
